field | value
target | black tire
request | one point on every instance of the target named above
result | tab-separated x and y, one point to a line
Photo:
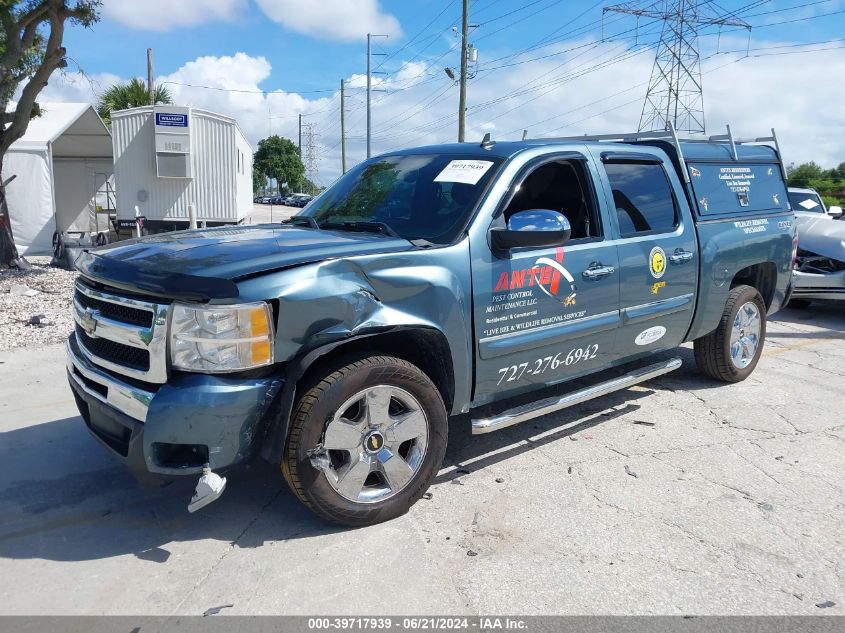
316	407
713	351
798	304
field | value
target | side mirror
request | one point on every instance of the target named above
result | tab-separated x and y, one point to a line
834	211
536	228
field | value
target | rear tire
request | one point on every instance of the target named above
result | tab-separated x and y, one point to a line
366	441
731	352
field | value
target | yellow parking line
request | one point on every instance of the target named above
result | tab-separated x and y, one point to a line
789	348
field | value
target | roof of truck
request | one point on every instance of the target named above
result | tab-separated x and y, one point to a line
694	151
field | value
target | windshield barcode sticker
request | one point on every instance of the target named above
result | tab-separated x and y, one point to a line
468	172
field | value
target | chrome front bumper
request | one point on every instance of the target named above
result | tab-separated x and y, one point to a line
131	400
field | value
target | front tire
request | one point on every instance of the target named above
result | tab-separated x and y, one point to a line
731	352
366	441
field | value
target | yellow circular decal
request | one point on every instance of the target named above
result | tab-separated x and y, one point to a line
657	262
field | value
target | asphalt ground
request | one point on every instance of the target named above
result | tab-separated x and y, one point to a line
678	496
272	213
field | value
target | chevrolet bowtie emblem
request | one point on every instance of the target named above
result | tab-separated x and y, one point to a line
88	321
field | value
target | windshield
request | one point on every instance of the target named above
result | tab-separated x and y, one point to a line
806	202
428	197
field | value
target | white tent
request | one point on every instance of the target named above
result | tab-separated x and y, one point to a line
59	165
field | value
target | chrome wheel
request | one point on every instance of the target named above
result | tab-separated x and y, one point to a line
745	335
374	444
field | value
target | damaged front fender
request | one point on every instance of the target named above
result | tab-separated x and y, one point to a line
321	306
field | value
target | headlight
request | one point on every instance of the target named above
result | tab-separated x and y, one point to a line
221	338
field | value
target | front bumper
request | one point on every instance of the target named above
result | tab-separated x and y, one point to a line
818	286
174	428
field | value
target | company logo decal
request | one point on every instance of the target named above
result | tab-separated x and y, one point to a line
171	120
657	262
651	335
546	273
657	286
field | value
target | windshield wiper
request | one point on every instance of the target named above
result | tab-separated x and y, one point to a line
366	226
302	220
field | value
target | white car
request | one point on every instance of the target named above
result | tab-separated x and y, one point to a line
820	265
806	201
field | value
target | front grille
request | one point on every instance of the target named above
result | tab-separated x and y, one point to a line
116	312
92	385
112	351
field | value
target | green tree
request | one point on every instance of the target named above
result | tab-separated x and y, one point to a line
800	176
259	180
830	183
31	34
278	158
133	94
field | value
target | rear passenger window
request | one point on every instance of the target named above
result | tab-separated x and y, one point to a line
643	198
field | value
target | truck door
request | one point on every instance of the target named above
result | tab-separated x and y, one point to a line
658	254
544	315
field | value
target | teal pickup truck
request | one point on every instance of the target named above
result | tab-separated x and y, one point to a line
425	284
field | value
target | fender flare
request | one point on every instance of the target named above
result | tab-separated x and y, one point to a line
278	423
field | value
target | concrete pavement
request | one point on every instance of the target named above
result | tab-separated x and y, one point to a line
677	496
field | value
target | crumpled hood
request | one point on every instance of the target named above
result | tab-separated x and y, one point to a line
203	264
822	235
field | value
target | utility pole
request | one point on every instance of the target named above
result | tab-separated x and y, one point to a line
369	88
370	37
342	127
300	136
462	100
150	86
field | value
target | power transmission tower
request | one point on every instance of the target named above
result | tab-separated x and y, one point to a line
311	158
675	92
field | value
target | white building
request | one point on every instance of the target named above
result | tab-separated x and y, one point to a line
59	166
167	158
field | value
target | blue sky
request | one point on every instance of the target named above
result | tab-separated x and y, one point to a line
542	65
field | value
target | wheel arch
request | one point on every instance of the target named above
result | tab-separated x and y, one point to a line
762	276
426	347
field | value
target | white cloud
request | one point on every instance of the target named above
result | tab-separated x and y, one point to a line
332	19
165	15
75	86
421	103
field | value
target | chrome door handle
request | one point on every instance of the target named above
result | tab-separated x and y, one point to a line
597	272
680	257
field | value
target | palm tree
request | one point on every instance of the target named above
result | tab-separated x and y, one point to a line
129	95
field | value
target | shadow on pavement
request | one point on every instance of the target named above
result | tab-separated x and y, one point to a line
829	315
89	507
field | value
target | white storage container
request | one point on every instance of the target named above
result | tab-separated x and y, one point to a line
167	158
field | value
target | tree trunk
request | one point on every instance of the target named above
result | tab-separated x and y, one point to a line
8	252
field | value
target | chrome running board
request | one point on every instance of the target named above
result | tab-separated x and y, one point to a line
550	405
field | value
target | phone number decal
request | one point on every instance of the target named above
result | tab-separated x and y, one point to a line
513	373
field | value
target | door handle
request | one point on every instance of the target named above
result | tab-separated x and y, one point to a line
680	257
597	271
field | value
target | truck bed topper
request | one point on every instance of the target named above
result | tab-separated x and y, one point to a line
677	142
